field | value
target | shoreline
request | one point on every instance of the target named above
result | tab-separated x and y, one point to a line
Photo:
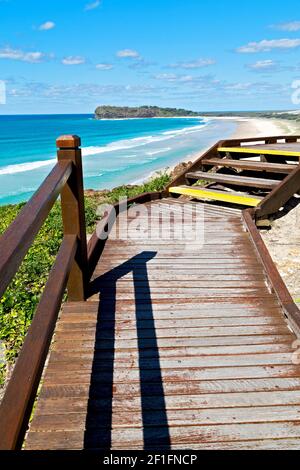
243	127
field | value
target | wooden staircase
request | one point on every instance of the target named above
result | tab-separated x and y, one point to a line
243	174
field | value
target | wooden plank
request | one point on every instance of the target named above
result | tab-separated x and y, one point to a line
250	165
58	393
280	139
163	305
290	146
248	330
172	375
255	305
215	210
258	445
170	323
234	180
198	296
207	342
62	441
98	365
65	352
190	417
263	150
187	332
201	193
190	303
191	276
128	438
171	315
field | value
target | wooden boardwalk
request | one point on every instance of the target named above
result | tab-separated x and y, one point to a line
180	346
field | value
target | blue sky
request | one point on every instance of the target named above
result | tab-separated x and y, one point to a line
64	56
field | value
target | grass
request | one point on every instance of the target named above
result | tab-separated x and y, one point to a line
20	300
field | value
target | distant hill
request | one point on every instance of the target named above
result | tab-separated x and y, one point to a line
124	112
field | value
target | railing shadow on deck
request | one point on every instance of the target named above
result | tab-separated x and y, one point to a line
98	434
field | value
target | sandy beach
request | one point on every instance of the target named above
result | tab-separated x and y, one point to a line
256	127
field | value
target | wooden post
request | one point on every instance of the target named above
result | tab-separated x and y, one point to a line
72	203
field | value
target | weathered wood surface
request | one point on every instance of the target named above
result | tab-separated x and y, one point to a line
281	168
180	346
233	180
288	147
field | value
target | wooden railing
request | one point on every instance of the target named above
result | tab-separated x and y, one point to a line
69	270
277	284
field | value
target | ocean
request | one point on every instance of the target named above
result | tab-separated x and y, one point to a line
115	152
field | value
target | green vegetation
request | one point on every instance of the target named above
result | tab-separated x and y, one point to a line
19	302
157	183
121	112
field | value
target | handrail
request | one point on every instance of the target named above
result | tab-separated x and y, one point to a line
21	390
280	195
18	238
70	269
290	308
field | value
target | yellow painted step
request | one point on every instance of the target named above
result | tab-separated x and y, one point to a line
211	194
259	151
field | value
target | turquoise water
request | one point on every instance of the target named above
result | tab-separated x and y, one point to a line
114	152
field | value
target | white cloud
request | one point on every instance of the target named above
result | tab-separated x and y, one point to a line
195	64
47	26
172	77
17	54
73	60
263	65
271	66
92	6
128	53
291	26
166	76
104	66
239	86
268	45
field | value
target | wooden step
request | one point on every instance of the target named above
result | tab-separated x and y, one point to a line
261	150
250	165
235	180
222	196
